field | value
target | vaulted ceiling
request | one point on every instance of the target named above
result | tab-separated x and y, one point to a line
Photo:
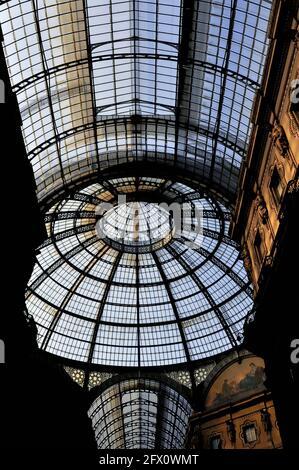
113	82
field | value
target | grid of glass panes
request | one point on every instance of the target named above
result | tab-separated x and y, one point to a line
93	303
80	76
125	416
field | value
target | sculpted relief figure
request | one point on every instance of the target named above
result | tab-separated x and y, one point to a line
279	139
261	208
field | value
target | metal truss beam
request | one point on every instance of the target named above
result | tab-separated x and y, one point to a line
146	168
67	233
186	18
213	214
108	57
224	74
216	236
224	139
48	85
66	215
88	197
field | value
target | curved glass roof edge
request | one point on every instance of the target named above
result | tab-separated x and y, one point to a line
136	168
144	376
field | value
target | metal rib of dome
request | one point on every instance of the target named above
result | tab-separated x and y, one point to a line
109	82
175	304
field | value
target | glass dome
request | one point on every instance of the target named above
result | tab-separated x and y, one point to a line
138	272
138	226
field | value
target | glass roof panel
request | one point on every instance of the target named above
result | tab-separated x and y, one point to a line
103	83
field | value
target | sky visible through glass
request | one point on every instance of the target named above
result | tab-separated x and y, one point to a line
111	82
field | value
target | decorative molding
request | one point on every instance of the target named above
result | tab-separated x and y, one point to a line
97	378
182	377
231	430
295	39
245	256
293	124
293	186
252	444
268	261
216	434
266	420
271	198
78	375
280	170
293	119
261	207
279	139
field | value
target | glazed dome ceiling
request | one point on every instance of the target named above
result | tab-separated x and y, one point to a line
103	83
124	286
163	90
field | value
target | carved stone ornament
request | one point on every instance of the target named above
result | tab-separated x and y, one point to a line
246	260
293	117
266	420
279	139
231	430
252	443
294	125
268	261
296	39
293	186
261	208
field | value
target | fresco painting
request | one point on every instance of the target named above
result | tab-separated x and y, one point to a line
237	381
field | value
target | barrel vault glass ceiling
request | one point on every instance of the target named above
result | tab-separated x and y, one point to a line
101	83
140	414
